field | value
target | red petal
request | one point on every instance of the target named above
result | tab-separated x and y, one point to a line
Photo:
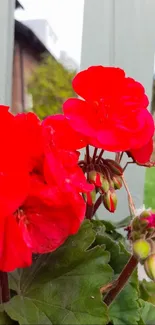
143	154
64	136
29	128
93	83
14	253
47	228
81	117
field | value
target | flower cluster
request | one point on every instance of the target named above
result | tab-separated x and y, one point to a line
141	233
44	186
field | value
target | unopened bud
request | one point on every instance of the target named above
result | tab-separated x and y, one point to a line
141	249
95	178
114	167
90	197
117	180
136	223
145	214
135	235
149	266
152	244
110	200
147	219
104	188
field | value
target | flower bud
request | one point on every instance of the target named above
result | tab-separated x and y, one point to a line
95	178
104	188
117	180
110	200
152	244
141	249
114	167
136	223
148	219
134	235
90	197
145	214
149	266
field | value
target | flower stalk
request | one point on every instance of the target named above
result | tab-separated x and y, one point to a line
121	281
4	287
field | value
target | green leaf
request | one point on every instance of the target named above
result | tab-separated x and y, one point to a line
125	309
5	319
148	313
118	253
147	290
63	287
123	223
141	322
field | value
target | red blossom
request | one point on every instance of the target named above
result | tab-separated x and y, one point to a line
113	115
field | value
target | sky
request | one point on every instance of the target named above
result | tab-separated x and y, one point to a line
65	18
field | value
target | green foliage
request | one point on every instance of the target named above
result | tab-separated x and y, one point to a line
50	86
5	319
64	287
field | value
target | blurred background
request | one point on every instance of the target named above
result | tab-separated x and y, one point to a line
47	53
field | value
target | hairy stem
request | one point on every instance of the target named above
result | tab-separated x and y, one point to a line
89	211
97	204
87	155
121	281
100	156
117	157
4	287
94	155
130	200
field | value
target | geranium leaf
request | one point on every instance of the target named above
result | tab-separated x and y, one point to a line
5	319
118	253
63	287
148	312
125	309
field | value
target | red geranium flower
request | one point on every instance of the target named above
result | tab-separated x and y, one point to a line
113	115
